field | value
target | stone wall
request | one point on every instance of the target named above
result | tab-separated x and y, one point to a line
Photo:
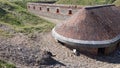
56	11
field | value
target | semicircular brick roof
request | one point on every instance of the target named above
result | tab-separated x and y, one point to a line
92	24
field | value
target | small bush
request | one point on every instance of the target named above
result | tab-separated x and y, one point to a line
4	64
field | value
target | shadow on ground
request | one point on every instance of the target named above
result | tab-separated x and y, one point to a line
52	63
112	58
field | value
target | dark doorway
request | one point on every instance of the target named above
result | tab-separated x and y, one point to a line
101	51
118	46
28	6
33	7
70	12
48	9
57	11
40	8
75	6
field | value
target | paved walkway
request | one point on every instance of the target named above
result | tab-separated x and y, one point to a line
55	21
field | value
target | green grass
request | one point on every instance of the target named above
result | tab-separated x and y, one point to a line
4	33
21	20
23	3
117	2
18	18
4	64
85	2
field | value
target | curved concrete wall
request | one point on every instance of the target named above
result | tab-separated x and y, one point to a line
93	44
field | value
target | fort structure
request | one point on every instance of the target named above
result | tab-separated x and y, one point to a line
94	30
91	29
57	11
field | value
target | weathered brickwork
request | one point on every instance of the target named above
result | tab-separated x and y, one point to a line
56	11
109	50
62	12
94	51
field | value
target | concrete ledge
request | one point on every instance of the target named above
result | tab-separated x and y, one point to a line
98	6
95	44
55	5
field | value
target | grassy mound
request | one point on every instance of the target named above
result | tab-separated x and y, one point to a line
6	65
85	2
117	2
23	3
21	19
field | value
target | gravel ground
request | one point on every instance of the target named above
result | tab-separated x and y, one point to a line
18	51
65	55
36	51
40	50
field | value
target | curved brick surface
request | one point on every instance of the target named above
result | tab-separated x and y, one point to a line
85	43
92	24
91	27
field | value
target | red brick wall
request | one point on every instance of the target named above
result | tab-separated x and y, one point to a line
93	51
110	49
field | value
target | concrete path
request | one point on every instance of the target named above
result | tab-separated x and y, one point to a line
55	21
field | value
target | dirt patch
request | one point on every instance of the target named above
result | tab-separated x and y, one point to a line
24	55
